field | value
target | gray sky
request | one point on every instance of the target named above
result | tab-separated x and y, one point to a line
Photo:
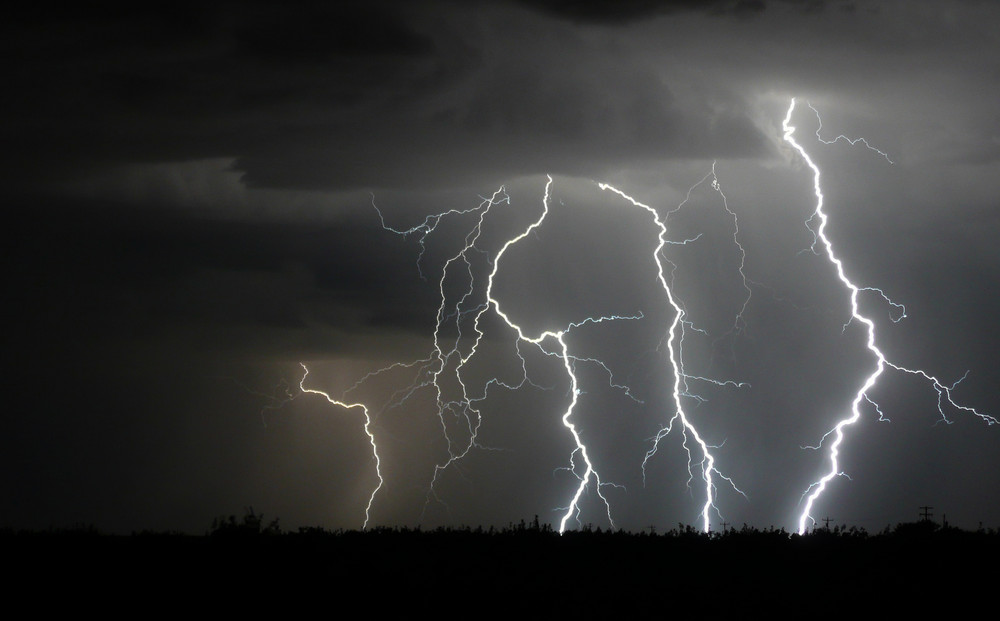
189	203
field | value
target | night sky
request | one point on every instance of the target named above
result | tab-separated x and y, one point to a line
188	201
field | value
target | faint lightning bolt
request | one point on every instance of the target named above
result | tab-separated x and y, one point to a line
739	323
674	344
425	228
446	355
368	431
815	490
850	141
273	401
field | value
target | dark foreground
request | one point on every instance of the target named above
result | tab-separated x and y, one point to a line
521	571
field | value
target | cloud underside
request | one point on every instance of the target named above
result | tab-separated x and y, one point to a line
398	94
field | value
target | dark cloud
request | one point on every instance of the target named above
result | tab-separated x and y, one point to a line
619	12
107	274
312	97
320	33
199	82
605	11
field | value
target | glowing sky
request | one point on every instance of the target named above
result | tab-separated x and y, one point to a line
189	215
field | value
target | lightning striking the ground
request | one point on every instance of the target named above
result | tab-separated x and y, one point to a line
368	432
816	489
559	336
675	339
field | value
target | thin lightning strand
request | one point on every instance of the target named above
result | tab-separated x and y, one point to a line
815	490
272	400
850	141
739	324
425	228
679	388
472	415
368	432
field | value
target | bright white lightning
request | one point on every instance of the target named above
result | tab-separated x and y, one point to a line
368	431
814	491
559	336
674	343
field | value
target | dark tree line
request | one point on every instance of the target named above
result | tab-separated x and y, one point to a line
524	569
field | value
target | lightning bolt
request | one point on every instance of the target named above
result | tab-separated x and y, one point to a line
675	339
816	489
368	432
568	363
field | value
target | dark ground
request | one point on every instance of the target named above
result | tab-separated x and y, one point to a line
519	571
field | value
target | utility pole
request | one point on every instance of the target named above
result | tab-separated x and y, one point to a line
826	521
925	513
725	525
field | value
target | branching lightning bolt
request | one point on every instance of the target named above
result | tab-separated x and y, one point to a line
675	340
814	491
559	336
463	406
